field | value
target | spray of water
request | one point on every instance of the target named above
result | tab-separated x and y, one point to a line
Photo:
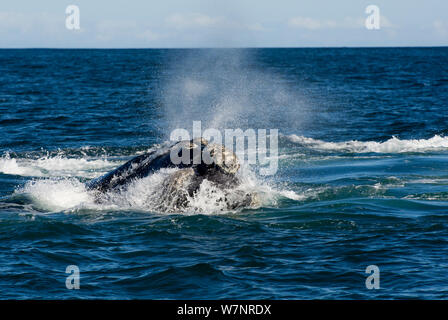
222	89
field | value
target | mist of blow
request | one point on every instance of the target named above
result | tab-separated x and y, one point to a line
224	89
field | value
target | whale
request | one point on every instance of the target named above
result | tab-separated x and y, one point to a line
196	161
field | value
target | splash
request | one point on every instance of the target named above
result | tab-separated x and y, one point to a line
56	194
69	194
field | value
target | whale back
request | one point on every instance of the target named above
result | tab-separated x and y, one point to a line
221	168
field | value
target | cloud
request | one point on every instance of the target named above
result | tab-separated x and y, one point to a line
14	22
440	27
10	21
256	27
346	23
308	23
189	20
385	23
198	20
109	30
36	29
149	35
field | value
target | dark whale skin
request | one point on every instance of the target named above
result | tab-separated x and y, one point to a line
143	165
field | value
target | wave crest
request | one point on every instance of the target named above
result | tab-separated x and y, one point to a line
393	145
54	166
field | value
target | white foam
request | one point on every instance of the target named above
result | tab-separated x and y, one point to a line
56	166
69	194
393	145
57	194
10	166
435	181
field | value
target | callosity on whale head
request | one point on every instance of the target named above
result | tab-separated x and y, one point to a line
197	161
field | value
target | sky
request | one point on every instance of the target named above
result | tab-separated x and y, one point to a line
222	23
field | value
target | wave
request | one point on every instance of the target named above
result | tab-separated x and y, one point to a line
55	166
393	145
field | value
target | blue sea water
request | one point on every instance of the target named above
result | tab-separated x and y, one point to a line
362	174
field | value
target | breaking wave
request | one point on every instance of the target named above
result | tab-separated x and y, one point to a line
54	166
393	145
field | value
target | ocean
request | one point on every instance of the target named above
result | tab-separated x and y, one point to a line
362	173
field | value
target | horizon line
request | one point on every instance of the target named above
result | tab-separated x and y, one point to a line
192	48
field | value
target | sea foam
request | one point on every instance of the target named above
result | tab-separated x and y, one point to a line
55	166
393	145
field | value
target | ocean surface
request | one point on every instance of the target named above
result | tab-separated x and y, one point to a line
362	174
